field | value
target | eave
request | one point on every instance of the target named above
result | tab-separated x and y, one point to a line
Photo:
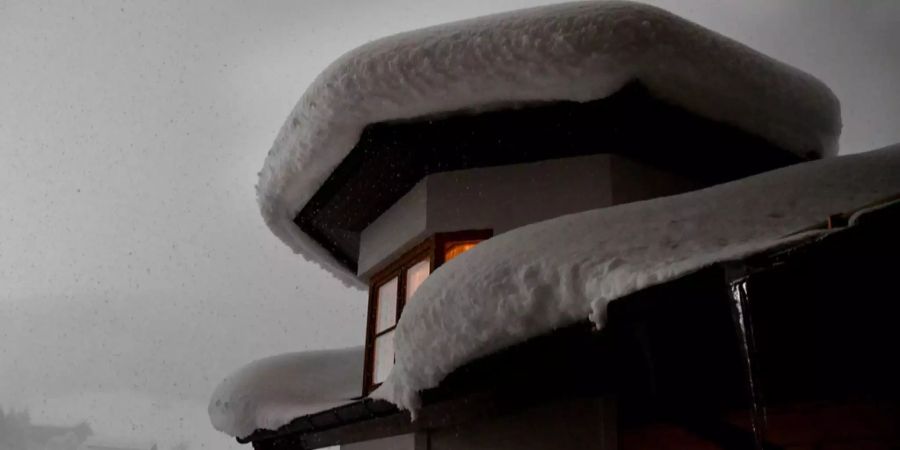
391	157
775	328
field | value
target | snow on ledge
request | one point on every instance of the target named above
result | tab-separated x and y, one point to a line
271	392
575	51
529	281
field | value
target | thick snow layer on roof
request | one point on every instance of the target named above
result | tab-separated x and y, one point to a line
271	392
529	281
575	51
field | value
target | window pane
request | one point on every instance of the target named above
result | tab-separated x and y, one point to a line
384	356
454	249
386	305
415	276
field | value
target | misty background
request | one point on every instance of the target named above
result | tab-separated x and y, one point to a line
135	270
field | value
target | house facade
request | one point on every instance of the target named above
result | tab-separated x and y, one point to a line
410	152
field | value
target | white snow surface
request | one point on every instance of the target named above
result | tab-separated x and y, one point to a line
271	392
574	51
543	276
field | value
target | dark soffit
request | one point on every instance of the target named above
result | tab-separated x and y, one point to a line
391	157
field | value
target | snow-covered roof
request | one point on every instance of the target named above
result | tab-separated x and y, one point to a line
529	281
575	51
270	392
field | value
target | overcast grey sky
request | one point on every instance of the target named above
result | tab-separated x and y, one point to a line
135	271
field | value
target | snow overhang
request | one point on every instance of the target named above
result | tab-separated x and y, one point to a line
270	392
550	274
672	345
576	52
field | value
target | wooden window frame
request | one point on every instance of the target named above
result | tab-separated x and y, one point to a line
432	248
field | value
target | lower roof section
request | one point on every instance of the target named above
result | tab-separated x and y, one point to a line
813	322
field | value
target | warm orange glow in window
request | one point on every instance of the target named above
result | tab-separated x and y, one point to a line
394	286
454	249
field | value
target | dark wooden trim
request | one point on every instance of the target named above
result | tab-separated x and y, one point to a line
401	292
426	247
411	260
370	341
371	324
431	248
386	330
396	269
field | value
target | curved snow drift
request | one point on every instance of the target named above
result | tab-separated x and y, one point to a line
576	51
529	281
271	392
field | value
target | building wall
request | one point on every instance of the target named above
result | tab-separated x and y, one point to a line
506	197
400	227
812	426
584	424
411	441
633	181
499	198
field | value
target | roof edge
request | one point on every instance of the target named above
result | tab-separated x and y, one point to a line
492	60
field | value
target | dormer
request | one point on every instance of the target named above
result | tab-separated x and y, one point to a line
410	150
411	191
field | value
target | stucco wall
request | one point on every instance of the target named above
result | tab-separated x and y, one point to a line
634	181
397	229
506	197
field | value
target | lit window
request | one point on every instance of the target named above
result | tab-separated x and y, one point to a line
384	356
415	275
386	305
454	249
395	286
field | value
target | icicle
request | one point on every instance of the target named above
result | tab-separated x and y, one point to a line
741	308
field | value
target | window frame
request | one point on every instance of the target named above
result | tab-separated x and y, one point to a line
433	249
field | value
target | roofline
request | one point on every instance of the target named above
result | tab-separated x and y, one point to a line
392	157
398	78
369	419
